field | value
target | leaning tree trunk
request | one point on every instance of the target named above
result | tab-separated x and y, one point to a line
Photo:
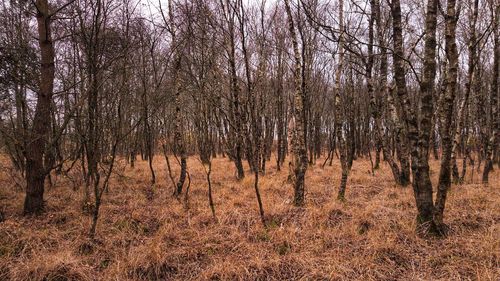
35	170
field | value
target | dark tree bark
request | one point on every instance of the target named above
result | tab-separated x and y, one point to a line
419	135
492	142
464	103
446	113
35	170
402	130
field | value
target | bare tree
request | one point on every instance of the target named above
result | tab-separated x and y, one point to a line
299	150
492	143
36	145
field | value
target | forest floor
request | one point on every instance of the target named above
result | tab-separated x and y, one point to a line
149	235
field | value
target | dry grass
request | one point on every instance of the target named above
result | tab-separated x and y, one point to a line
144	236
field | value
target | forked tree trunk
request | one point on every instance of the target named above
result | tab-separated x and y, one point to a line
419	134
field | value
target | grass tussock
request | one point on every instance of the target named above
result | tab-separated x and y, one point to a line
146	234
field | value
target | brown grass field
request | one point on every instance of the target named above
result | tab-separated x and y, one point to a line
144	235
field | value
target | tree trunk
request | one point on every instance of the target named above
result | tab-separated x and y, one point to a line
492	142
35	170
463	107
298	143
339	116
419	139
387	93
419	134
402	130
180	147
446	113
